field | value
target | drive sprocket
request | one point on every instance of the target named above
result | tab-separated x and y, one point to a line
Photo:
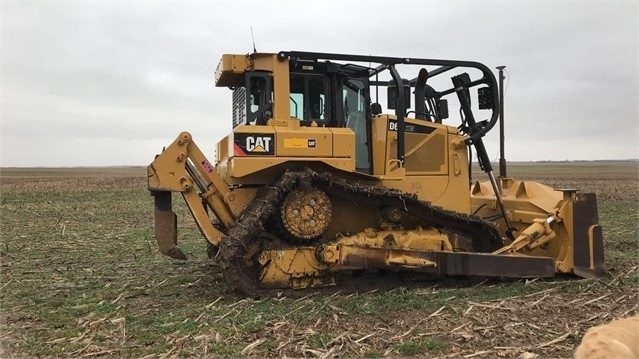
306	212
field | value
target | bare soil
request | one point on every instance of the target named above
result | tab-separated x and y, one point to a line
80	276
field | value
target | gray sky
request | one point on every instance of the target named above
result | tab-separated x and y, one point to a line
111	83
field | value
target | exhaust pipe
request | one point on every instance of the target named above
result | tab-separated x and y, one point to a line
420	94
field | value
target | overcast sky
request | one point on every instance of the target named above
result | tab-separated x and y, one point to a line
111	83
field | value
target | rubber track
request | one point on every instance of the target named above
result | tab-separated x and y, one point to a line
249	227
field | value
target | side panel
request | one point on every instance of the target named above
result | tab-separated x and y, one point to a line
262	170
435	161
222	149
379	138
343	142
258	154
425	144
304	142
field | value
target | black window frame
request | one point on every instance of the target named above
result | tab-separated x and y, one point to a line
265	101
327	92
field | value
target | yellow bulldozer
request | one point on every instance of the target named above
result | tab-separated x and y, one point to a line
317	182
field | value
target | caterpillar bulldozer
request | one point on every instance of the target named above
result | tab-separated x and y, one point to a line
316	184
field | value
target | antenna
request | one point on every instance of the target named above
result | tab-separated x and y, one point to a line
253	37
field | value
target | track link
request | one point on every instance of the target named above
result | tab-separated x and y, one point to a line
249	230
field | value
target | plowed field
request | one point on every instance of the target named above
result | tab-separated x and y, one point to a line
81	277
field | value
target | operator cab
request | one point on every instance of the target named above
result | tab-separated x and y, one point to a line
321	94
334	91
333	95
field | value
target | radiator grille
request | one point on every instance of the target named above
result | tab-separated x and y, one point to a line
239	106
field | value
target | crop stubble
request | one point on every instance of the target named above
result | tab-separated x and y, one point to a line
81	276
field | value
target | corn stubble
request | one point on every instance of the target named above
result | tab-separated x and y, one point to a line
80	276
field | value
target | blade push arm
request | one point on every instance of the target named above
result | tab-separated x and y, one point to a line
540	231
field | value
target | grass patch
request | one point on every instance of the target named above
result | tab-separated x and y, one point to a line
318	340
621	239
412	348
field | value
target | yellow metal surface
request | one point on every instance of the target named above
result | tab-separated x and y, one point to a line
308	266
449	191
426	153
429	239
222	149
295	142
183	168
291	144
295	267
261	170
239	198
281	84
168	172
304	142
528	205
230	70
343	142
381	140
353	257
201	217
525	201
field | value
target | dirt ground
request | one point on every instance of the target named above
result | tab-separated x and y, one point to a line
80	276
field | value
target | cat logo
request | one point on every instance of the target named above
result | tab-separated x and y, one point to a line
258	144
254	144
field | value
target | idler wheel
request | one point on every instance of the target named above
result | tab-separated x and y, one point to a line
306	212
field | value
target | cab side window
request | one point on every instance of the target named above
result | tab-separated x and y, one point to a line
309	98
260	99
355	115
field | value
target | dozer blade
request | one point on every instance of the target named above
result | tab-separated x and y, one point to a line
166	225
